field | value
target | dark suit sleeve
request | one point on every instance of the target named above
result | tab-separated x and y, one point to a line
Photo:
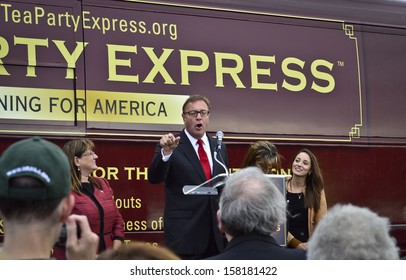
158	169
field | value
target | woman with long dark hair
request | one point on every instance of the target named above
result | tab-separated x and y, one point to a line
306	199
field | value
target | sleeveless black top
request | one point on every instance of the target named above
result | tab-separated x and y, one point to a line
297	216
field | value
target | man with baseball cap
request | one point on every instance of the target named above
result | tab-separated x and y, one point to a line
35	202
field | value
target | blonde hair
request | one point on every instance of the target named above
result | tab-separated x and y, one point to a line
138	251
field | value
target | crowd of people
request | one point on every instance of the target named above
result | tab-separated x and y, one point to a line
45	190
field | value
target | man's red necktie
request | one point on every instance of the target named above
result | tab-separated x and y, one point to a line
203	159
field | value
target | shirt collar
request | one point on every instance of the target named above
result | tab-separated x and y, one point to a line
194	140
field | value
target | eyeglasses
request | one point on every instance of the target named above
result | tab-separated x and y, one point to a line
89	154
194	113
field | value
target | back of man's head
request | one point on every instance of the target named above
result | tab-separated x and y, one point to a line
349	232
34	178
250	202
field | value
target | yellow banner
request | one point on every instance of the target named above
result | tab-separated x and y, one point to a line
41	104
124	107
98	106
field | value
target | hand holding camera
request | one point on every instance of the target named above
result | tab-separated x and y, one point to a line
81	242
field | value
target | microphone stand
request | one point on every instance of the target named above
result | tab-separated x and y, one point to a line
219	162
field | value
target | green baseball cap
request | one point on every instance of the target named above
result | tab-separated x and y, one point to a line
38	158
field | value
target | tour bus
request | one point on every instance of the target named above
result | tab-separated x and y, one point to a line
325	75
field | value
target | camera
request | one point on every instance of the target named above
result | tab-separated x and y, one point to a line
61	243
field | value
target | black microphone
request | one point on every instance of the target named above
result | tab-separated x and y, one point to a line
219	136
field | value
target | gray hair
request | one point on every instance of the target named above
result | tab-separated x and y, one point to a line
349	232
250	202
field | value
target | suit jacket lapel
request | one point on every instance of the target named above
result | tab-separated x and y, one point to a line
186	147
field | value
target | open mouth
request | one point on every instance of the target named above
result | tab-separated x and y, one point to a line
199	125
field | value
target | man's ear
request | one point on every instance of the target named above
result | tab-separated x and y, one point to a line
67	206
220	226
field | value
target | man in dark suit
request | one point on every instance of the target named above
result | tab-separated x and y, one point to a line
189	220
251	210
